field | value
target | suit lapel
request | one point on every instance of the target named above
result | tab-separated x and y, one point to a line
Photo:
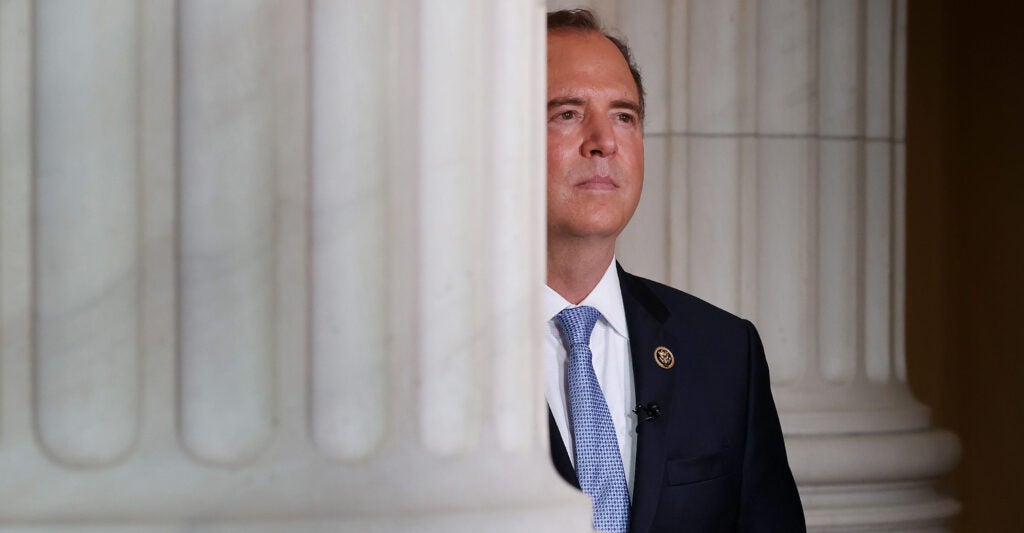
559	455
645	318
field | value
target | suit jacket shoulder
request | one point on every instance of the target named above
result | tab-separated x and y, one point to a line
679	305
714	460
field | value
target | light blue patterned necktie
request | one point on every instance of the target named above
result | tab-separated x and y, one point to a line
598	461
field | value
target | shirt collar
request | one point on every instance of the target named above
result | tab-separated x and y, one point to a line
606	298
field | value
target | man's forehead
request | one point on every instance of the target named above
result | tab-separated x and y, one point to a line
581	42
581	63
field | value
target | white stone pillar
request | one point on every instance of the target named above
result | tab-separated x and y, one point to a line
273	266
775	189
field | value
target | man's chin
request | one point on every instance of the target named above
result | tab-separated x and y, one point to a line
594	231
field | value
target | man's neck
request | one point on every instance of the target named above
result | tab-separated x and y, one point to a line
575	268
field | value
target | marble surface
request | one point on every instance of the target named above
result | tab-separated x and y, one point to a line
86	284
250	270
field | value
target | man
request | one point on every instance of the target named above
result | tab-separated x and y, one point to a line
660	403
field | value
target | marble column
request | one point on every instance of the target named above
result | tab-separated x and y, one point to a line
270	265
775	189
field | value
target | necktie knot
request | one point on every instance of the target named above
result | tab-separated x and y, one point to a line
578	323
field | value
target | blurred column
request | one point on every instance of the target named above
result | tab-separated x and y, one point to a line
830	110
272	265
775	189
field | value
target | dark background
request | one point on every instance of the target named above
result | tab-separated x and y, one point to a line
965	249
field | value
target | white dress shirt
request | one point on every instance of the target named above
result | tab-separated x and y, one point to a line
612	363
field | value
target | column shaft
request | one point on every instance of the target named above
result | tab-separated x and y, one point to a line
279	267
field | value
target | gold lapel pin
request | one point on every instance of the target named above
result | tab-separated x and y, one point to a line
663	356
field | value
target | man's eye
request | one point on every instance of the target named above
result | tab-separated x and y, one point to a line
627	118
567	115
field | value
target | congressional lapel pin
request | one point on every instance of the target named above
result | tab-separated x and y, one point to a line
663	356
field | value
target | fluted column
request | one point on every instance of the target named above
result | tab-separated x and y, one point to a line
272	265
775	189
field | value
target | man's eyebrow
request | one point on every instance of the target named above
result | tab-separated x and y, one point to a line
573	100
567	100
626	104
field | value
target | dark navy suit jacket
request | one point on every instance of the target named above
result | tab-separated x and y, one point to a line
714	459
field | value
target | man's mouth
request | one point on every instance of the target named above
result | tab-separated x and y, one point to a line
598	183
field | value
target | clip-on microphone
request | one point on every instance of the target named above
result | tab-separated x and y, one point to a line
647	413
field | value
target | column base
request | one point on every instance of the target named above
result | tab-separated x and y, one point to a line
909	507
875	482
540	519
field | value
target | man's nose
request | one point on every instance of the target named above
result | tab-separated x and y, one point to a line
599	140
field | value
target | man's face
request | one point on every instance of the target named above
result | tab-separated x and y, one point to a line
595	138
